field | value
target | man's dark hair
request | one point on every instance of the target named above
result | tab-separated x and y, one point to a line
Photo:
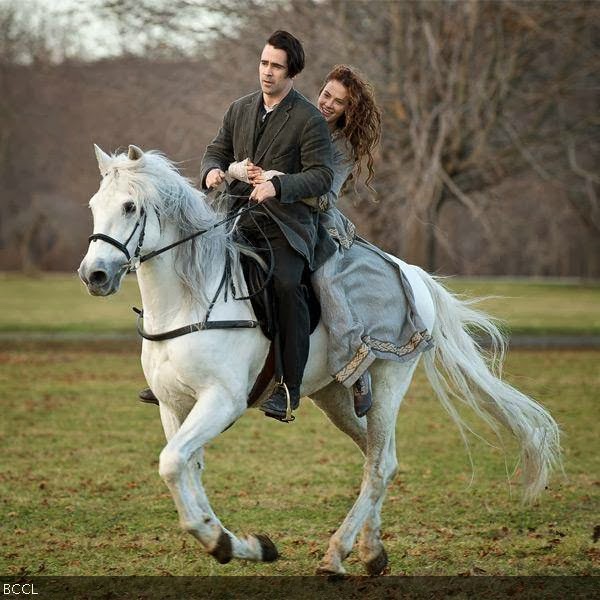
282	40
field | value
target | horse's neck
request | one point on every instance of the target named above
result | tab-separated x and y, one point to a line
164	298
161	291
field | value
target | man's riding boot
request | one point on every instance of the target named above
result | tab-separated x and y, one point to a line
276	405
147	396
362	394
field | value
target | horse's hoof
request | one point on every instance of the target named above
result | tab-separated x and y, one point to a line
223	550
268	548
376	566
330	572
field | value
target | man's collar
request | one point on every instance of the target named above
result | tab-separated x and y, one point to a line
286	101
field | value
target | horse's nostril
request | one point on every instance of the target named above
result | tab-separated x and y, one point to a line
98	278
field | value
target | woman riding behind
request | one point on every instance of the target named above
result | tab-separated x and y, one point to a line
347	103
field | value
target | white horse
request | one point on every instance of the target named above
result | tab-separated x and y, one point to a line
203	379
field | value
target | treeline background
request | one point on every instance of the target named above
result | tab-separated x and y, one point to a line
489	159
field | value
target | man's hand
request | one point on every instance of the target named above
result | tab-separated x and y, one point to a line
263	191
214	178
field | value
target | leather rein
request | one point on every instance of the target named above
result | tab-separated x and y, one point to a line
134	262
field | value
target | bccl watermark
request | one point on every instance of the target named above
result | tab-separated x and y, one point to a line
19	589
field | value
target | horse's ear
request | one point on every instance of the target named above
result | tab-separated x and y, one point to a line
134	153
102	159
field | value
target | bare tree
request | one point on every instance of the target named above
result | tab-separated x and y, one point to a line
480	100
473	93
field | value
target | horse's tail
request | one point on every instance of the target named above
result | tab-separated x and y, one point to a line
458	369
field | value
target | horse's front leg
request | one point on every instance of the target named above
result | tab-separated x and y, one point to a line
181	464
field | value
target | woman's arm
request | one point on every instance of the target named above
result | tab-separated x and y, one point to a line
239	170
342	167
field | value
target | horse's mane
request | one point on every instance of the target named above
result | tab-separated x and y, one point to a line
156	184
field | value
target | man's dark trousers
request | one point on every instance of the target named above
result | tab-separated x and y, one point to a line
291	310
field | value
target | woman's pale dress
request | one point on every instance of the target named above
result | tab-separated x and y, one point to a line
367	304
355	287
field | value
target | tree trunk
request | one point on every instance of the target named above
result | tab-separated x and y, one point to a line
431	246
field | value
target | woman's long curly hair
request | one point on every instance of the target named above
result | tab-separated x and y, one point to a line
361	121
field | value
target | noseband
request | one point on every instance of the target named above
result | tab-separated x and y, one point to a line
133	262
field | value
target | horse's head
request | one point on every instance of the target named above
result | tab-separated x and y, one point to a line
122	223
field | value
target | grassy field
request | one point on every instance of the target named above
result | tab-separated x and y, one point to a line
56	303
537	307
80	492
59	303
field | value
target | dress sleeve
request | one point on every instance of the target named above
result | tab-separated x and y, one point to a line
342	167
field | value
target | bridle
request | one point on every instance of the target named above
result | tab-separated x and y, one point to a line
134	262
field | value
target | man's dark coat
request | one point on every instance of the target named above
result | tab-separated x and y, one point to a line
296	141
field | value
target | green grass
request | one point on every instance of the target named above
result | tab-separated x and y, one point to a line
536	307
80	493
58	303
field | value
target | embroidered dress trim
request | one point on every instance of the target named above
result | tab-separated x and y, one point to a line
346	239
361	354
381	346
415	340
323	203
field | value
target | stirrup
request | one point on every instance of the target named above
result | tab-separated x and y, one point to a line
289	417
280	414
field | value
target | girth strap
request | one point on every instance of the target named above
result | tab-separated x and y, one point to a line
264	377
194	327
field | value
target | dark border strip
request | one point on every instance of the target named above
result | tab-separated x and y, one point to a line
301	588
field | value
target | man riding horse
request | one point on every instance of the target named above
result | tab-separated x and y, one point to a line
277	128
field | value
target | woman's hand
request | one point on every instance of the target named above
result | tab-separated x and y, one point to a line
255	174
244	170
258	175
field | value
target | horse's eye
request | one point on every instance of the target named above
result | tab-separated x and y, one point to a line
128	208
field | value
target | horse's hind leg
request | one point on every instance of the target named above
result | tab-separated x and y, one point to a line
336	402
371	550
390	382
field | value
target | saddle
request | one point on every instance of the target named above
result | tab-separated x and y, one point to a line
261	297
